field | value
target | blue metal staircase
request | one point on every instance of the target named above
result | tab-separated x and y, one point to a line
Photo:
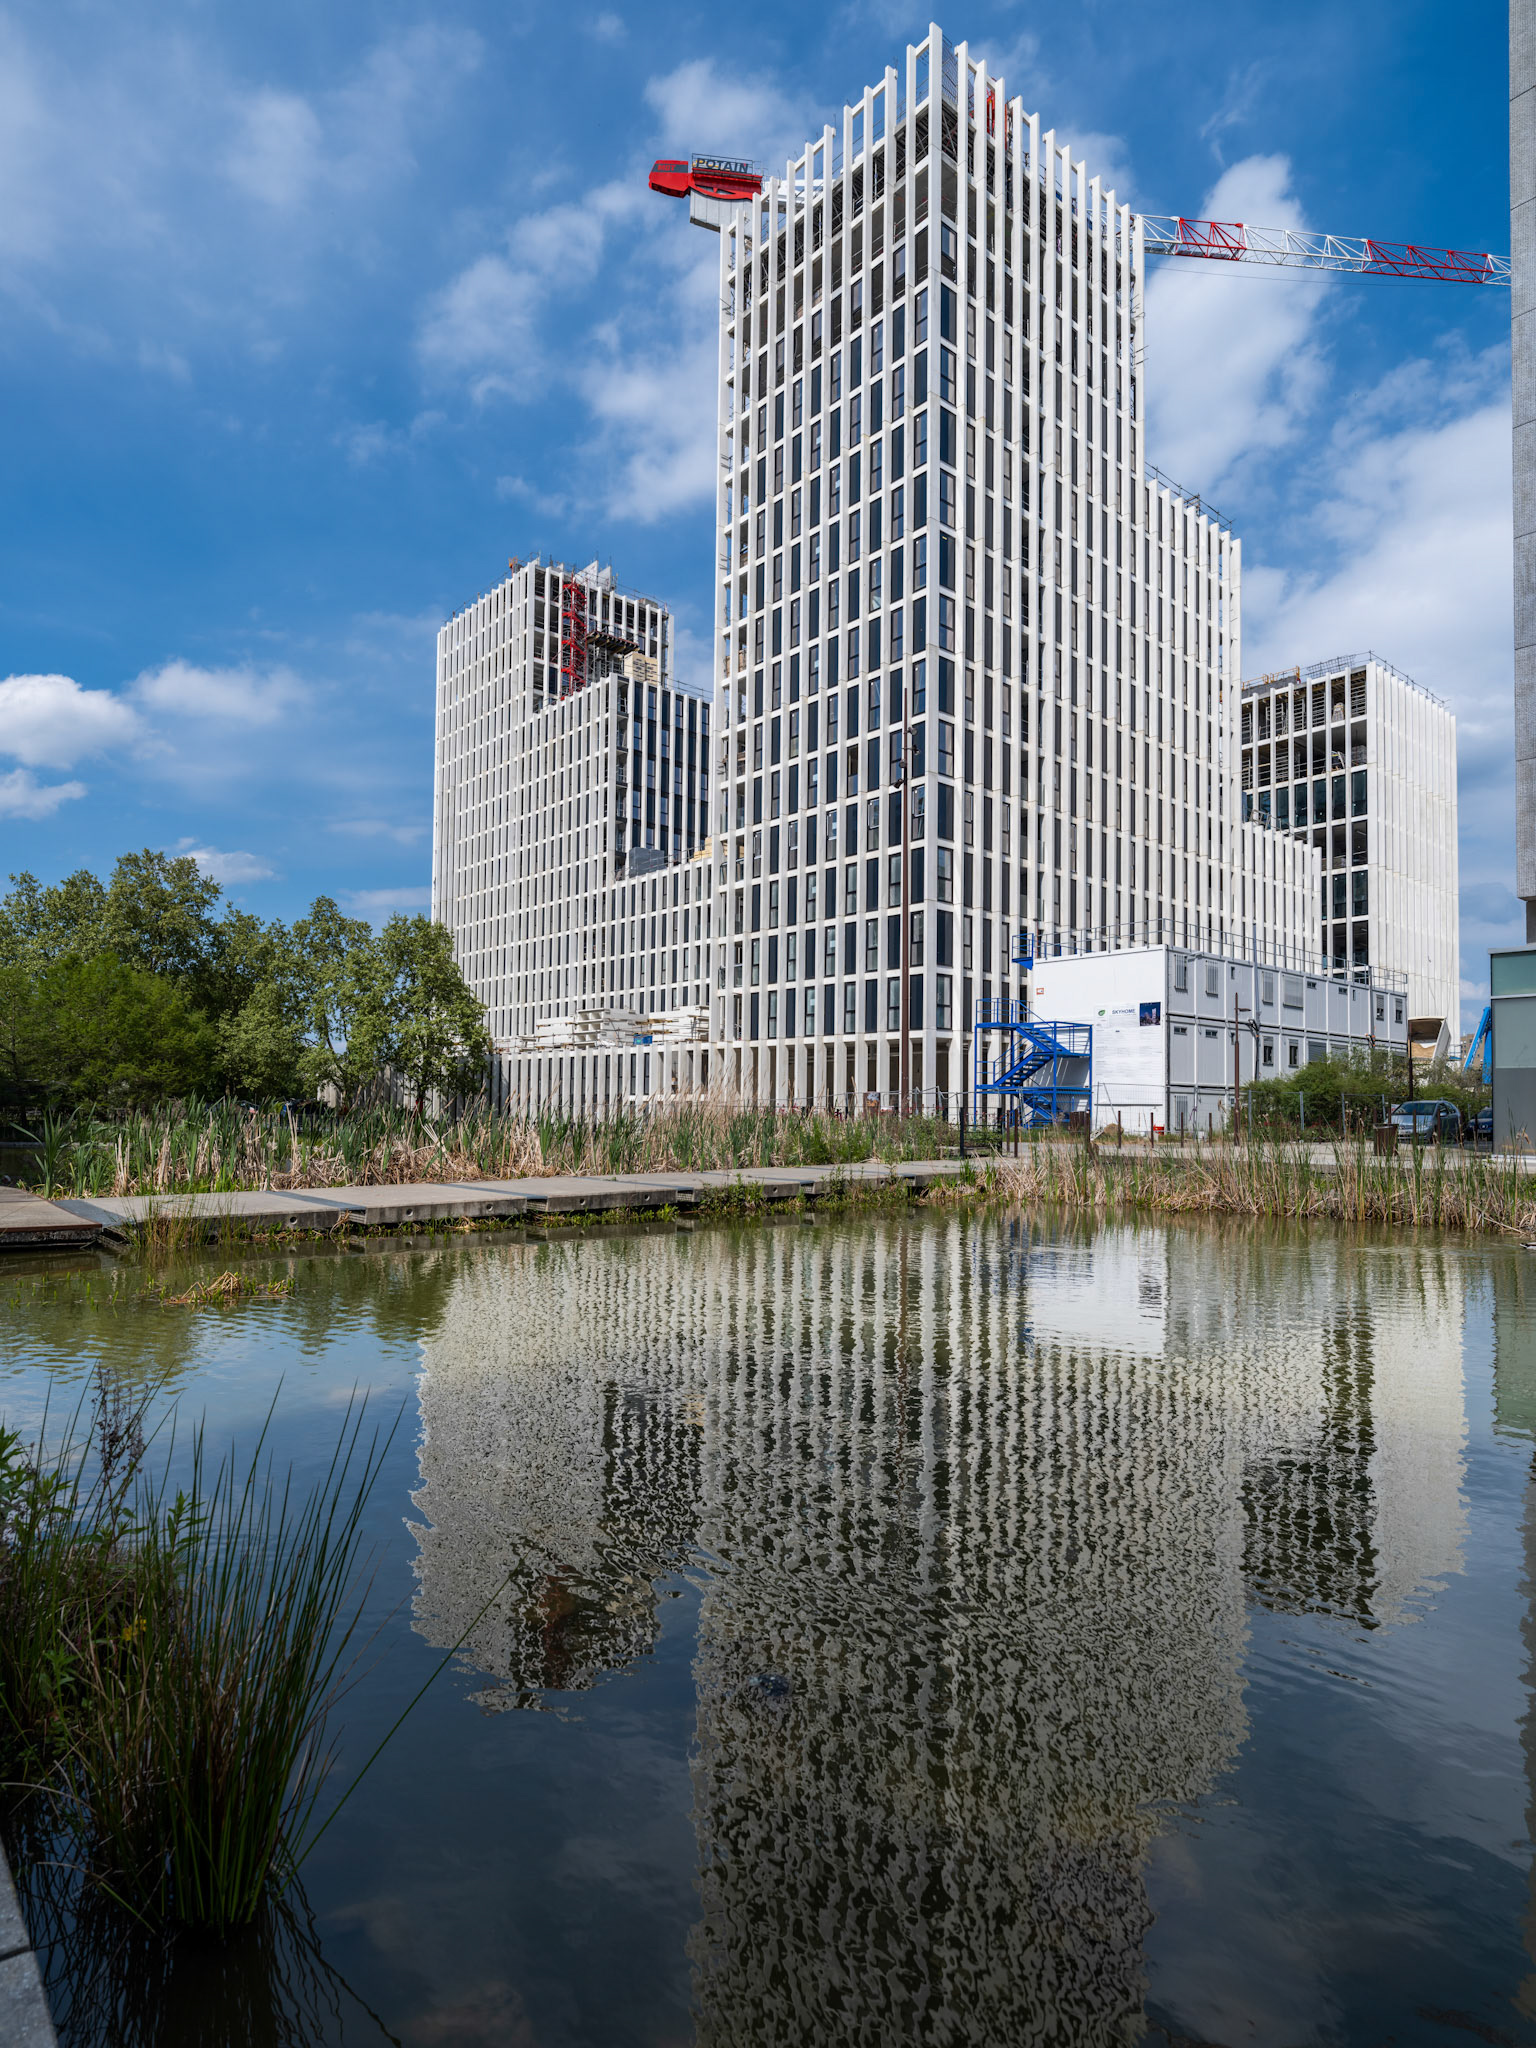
1041	1072
1482	1043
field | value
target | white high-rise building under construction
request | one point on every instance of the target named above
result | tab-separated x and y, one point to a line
569	811
1357	759
976	665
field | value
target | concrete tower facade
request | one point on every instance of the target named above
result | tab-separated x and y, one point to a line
1353	757
569	808
976	667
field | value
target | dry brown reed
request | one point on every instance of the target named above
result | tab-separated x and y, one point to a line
223	1147
1424	1188
223	1289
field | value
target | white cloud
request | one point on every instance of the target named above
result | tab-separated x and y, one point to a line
378	904
485	323
235	696
1237	103
1402	525
1234	370
48	721
149	195
608	27
380	828
550	503
164	361
1415	518
372	440
228	868
367	444
276	153
701	108
658	413
23	796
1107	156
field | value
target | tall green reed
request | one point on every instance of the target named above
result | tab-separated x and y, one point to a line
170	1660
220	1147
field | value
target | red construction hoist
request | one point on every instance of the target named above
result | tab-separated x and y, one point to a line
573	636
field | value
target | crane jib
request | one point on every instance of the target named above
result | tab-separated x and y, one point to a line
1300	249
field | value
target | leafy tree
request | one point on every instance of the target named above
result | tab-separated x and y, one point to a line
340	979
159	915
39	923
261	1046
16	1024
244	955
437	1040
102	1031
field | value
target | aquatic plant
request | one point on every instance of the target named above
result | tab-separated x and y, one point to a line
1424	1186
222	1147
169	1662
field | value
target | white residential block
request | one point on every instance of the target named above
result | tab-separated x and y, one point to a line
1353	758
569	817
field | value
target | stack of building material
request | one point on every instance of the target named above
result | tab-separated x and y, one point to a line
591	1030
687	1026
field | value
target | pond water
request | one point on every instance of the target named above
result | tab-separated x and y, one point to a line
965	1628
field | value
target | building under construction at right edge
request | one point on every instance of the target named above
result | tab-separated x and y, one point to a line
1350	756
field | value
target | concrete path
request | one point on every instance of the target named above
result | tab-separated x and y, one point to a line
378	1208
28	1223
25	2021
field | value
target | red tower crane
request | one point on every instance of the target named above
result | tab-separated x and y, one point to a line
1233	241
734	181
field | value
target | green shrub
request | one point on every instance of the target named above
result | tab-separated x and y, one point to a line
1359	1088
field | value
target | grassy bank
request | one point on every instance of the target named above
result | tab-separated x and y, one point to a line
1276	1177
222	1147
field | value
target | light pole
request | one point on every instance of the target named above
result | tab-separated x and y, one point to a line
902	779
1237	1062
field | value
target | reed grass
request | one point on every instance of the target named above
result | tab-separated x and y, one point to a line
221	1291
169	1662
224	1147
1424	1187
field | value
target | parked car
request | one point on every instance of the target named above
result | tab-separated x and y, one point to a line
1428	1122
1482	1126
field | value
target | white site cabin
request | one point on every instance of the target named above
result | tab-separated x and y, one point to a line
1166	1022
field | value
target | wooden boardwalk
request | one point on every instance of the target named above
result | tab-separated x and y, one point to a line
44	1225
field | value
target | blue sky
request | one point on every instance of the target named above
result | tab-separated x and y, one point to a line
309	318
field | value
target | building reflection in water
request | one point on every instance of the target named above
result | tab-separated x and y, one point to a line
978	1514
1514	1408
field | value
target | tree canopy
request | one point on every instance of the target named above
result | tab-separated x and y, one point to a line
151	984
